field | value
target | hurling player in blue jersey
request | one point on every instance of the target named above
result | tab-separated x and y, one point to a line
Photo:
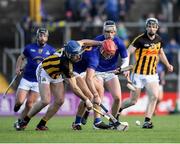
28	88
103	60
80	74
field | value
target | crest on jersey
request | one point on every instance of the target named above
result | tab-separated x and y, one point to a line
40	50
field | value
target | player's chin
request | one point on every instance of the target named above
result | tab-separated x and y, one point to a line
75	60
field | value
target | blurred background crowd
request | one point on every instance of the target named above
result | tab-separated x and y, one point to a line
77	19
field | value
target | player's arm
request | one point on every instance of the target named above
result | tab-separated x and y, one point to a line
19	63
164	60
131	49
90	73
77	91
88	42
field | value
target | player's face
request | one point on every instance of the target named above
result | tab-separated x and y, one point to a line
42	38
152	29
109	34
75	58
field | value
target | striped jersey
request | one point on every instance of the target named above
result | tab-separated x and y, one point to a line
56	65
146	53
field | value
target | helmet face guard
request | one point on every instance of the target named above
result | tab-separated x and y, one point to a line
109	27
152	21
42	30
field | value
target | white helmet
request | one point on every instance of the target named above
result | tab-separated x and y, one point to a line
109	26
151	21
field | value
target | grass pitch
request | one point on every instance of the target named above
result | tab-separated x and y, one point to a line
166	130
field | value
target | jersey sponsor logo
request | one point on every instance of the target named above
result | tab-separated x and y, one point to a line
32	50
40	50
151	52
47	53
146	45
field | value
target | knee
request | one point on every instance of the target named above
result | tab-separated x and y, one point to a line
29	104
45	102
133	100
59	102
117	98
154	97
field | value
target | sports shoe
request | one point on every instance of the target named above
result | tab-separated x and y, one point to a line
147	125
16	125
76	126
101	125
42	128
22	125
16	108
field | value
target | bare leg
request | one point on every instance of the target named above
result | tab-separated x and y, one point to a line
32	98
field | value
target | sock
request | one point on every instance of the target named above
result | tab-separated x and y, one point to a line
147	119
97	120
117	117
120	110
27	119
42	123
86	114
78	120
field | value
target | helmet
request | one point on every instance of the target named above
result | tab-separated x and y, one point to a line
42	30
109	26
72	48
109	46
152	21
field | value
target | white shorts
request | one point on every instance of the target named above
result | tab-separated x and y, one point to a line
105	76
83	74
27	85
140	80
43	77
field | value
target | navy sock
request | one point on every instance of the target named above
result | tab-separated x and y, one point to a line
147	119
78	120
97	120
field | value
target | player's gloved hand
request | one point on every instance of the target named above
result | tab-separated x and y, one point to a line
89	105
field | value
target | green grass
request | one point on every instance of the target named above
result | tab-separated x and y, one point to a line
167	129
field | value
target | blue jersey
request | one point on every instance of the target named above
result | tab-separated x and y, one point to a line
102	65
34	55
93	59
84	63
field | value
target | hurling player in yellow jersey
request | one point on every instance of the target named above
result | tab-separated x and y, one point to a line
50	75
148	49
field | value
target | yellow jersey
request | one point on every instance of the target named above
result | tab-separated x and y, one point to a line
146	54
56	65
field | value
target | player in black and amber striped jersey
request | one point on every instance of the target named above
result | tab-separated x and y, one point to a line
148	49
146	54
50	78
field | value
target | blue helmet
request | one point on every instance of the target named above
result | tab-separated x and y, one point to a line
72	48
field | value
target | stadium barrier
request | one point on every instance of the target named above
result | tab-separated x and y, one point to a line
71	103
